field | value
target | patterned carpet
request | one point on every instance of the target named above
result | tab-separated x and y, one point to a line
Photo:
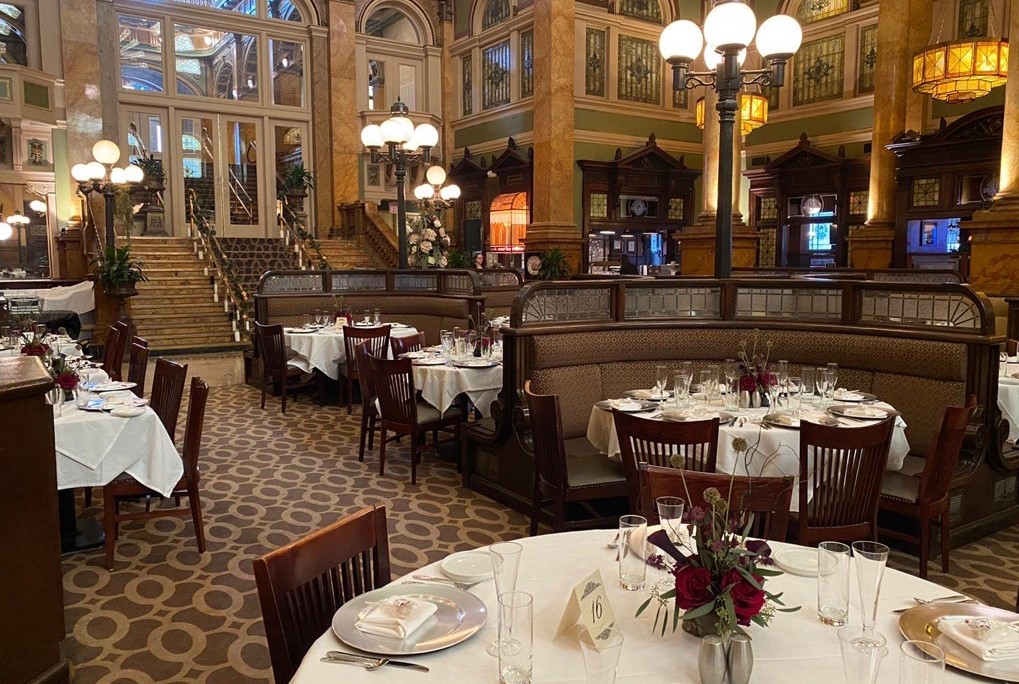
168	614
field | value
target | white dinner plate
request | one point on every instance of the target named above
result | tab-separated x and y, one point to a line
801	562
479	363
853	397
431	361
923	623
857	411
468	566
114	386
634	407
458	617
415	355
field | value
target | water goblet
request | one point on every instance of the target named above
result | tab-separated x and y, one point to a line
505	566
670	514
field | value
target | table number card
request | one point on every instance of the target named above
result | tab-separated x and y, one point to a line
589	608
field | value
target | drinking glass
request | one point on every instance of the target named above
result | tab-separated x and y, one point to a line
602	661
632	552
82	396
794	399
782	373
40	330
6	335
486	348
460	347
516	634
472	341
870	559
820	379
670	514
661	382
716	372
307	320
57	399
708	378
730	368
772	388
505	565
833	583
807	389
731	398
367	316
921	662
680	387
377	317
861	654
833	368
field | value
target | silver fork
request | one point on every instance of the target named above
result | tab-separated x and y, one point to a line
954	598
431	579
370	664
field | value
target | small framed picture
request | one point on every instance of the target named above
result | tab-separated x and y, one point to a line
928	233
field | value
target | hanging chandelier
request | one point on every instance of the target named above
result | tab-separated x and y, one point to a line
964	69
753	112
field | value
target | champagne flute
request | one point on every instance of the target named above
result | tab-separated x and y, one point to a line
833	368
661	382
782	371
820	375
870	559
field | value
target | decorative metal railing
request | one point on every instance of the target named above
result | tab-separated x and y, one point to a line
435	281
294	233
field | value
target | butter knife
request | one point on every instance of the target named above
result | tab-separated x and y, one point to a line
341	656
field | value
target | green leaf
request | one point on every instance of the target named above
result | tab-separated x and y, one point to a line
643	606
699	611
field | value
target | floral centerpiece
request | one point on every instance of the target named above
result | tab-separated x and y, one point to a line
429	243
720	584
755	370
65	375
35	346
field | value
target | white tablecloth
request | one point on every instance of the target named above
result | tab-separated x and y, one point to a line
93	448
61	345
1008	396
78	298
777	453
795	649
441	385
324	349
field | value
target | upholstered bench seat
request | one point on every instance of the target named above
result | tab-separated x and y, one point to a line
898	485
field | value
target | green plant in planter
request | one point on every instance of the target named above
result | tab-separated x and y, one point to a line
116	270
297	179
153	169
458	259
554	265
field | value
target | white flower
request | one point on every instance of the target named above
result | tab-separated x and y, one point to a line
442	231
413	249
429	234
431	260
426	246
413	238
445	240
443	261
437	223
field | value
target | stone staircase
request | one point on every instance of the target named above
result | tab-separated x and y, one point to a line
175	310
346	253
252	257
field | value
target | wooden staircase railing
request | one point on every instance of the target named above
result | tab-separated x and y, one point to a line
379	236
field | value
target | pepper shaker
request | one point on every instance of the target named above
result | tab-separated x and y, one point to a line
711	664
740	659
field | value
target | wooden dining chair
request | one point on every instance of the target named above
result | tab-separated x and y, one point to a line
138	365
302	585
369	410
926	498
567	482
378	343
767	499
272	350
1012	347
167	392
692	445
401	413
113	353
125	487
840	481
402	345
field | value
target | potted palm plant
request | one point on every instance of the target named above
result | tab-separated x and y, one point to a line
117	272
554	265
297	180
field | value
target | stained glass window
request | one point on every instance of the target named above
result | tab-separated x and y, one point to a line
472	209
495	75
810	11
676	207
374	177
495	11
858	202
599	205
769	208
973	16
680	98
639	70
868	59
773	97
594	63
526	64
926	192
818	70
767	248
648	10
466	78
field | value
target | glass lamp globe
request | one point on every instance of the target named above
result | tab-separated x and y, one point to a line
730	23
454	191
392	131
681	41
424	191
106	152
118	176
406	126
5	231
80	173
426	135
712	57
18	219
96	171
779	36
371	136
412	144
134	173
38	206
444	193
436	175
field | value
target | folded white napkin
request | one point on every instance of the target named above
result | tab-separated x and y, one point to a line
650	394
395	617
989	640
865	412
848	395
624	404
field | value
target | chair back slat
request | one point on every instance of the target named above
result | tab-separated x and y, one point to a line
547	439
194	427
766	498
657	442
167	392
840	480
368	392
138	365
402	345
940	465
272	348
377	339
394	384
302	585
113	353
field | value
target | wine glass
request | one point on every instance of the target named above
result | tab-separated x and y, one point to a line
833	368
731	370
782	371
661	382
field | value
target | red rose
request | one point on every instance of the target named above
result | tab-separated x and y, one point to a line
693	587
67	381
747	384
747	600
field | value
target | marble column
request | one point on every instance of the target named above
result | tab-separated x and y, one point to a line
321	132
552	221
346	131
873	243
994	232
449	105
921	14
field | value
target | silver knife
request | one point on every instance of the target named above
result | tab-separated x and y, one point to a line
342	656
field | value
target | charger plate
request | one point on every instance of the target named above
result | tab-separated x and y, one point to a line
921	623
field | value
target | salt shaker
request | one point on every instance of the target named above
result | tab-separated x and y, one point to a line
740	659
711	661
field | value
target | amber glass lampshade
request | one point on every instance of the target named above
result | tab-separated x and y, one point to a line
961	70
753	112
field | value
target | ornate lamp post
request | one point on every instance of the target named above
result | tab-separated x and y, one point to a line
728	29
433	191
103	177
404	144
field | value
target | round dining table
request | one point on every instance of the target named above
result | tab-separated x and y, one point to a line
795	649
324	348
440	385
